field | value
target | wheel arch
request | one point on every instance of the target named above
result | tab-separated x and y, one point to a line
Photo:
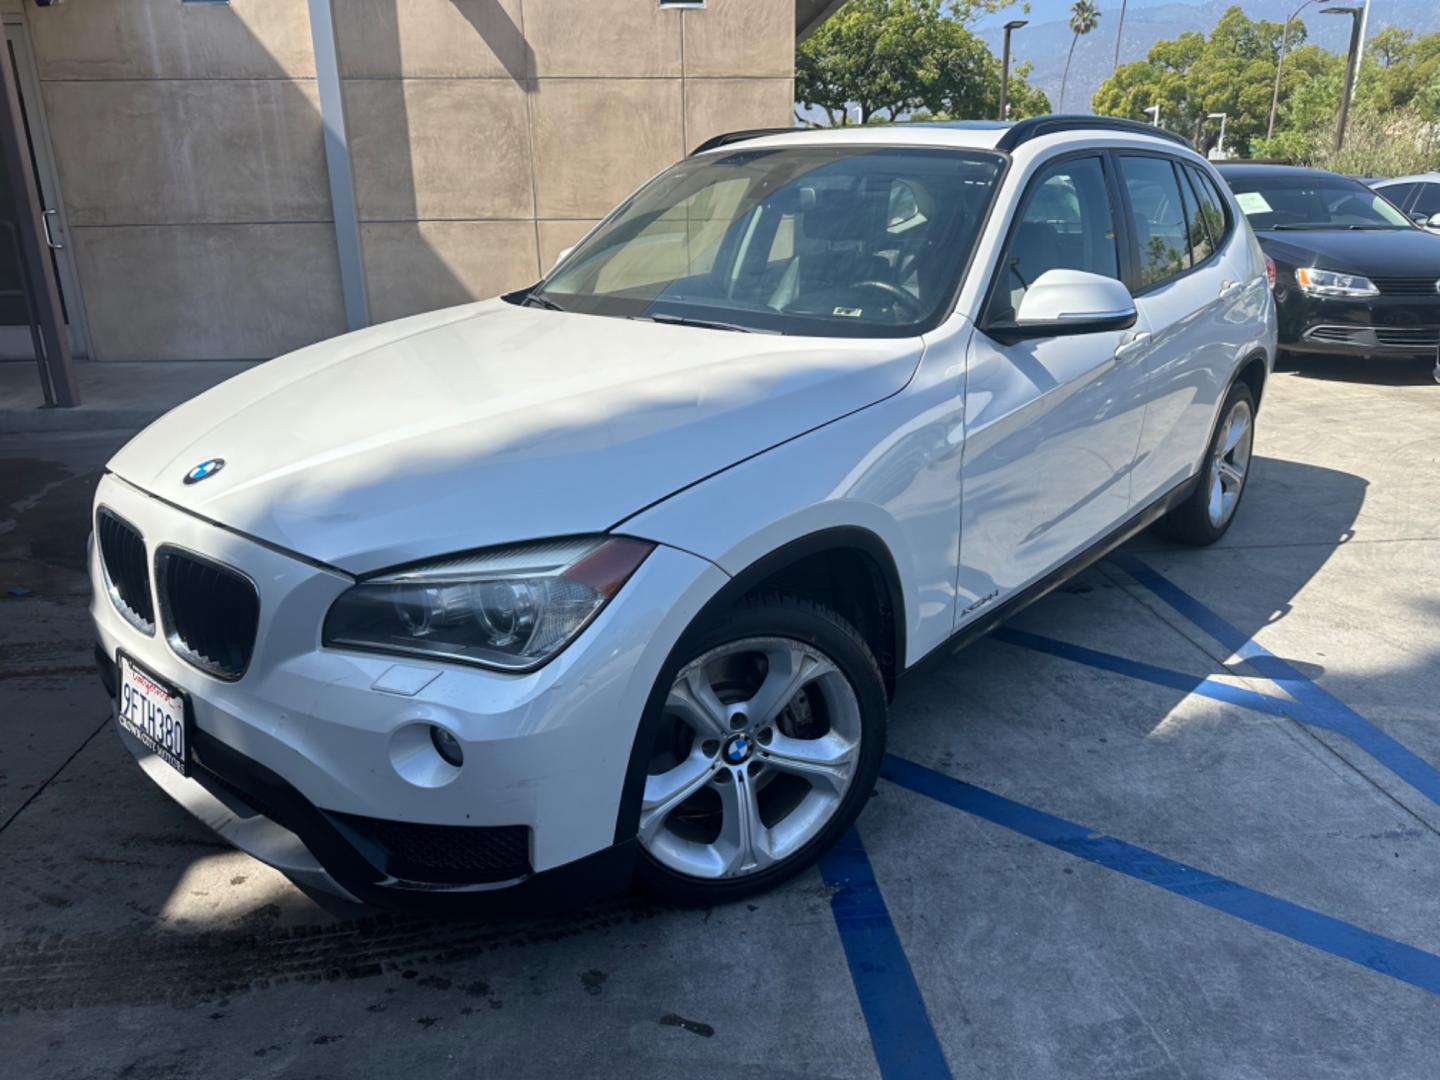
815	556
814	565
1253	371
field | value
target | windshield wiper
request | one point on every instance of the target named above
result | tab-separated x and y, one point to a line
1374	228
704	324
536	300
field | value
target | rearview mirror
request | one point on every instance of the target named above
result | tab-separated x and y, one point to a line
1063	302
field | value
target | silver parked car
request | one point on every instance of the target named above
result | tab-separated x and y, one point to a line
1418	196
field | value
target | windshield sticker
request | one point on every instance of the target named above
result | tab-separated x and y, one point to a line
1252	202
848	312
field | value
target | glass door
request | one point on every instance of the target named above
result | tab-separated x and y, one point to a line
16	338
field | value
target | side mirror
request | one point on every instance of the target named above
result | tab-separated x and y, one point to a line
1432	222
1420	217
1064	302
564	254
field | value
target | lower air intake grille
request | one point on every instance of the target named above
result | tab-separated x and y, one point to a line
447	854
1338	335
1419	337
123	553
210	612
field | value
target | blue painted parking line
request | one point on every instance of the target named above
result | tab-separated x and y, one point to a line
900	1030
1321	708
1136	669
1386	750
1305	925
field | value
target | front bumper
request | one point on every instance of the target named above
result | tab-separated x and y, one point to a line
1380	325
300	762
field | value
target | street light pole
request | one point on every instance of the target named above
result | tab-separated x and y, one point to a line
1351	65
1010	27
1280	64
1220	146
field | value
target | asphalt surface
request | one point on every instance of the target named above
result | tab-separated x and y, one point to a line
1182	819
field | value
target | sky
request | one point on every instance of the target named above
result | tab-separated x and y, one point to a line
1049	10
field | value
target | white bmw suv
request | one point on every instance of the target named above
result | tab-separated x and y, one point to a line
614	576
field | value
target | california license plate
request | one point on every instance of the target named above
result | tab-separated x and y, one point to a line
154	713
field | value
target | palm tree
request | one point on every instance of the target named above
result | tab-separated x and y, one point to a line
1084	17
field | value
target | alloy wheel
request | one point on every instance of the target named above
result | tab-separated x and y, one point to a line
1230	463
759	743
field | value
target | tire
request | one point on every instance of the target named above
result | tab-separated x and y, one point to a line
1206	514
749	783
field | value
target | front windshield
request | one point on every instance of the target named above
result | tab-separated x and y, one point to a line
1313	202
833	241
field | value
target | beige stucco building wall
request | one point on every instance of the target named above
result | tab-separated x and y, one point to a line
485	135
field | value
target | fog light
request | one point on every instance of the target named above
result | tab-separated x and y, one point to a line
447	746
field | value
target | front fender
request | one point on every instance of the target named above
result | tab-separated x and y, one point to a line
891	469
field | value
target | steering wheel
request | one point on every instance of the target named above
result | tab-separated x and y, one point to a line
896	294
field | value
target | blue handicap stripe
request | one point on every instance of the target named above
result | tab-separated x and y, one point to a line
1302	924
1135	669
1322	709
900	1029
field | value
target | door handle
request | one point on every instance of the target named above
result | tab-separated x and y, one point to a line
1137	346
49	236
1231	289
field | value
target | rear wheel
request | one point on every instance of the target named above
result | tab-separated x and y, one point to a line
769	744
1207	513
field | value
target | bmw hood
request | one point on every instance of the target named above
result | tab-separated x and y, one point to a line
1369	252
489	424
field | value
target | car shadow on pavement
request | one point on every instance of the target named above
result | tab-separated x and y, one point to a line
1375	370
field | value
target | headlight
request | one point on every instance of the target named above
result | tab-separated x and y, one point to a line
1329	283
510	608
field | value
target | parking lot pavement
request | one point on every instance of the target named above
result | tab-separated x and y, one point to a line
1181	819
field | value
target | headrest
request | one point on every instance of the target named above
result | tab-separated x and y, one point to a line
845	215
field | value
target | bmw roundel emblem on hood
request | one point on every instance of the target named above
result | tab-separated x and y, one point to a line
205	470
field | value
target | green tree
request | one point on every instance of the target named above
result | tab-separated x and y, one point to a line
1230	71
892	58
1084	17
1393	119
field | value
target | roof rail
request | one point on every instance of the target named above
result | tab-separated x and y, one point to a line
1023	131
740	136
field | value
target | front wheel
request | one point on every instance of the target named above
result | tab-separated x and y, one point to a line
769	743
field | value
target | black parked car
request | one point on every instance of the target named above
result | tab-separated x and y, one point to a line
1354	275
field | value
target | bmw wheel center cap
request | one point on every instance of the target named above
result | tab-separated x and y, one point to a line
205	470
738	748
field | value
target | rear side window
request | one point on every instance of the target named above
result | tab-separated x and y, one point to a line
1065	224
1212	207
1399	194
1429	200
1157	214
1196	230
